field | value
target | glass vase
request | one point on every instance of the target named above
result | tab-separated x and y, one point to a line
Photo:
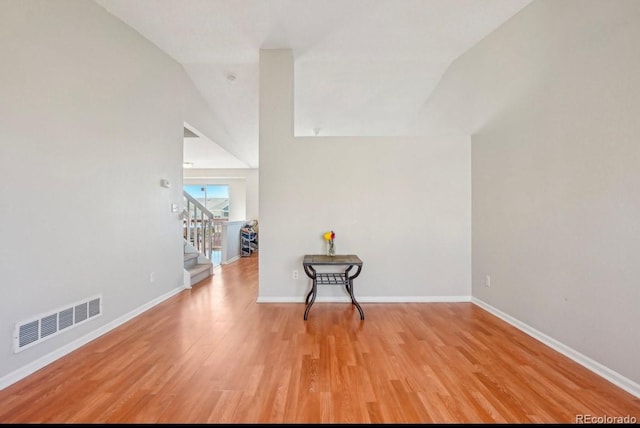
331	248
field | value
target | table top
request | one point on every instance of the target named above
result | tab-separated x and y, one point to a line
338	259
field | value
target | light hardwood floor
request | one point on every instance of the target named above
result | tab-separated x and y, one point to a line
213	355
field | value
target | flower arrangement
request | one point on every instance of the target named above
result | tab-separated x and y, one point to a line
329	237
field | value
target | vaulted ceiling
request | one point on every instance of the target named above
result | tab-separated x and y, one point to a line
362	67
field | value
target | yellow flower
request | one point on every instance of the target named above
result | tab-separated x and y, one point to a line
329	236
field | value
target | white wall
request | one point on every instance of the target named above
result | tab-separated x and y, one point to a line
556	173
231	236
91	120
243	188
309	185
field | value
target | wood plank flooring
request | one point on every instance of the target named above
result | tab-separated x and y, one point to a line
213	355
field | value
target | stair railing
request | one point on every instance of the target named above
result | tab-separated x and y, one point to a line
200	227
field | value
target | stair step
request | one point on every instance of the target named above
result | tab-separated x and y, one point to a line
190	260
196	269
200	272
190	256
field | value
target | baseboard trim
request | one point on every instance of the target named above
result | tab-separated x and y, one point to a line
231	260
599	369
36	365
369	299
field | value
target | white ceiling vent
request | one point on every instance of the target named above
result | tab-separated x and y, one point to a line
44	326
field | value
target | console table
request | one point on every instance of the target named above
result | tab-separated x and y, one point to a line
344	278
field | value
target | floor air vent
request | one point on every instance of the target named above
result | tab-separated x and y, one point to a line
47	325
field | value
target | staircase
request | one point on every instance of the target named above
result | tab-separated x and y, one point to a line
201	234
196	266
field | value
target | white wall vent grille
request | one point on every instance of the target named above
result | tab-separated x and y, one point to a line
82	312
44	326
28	333
66	318
48	325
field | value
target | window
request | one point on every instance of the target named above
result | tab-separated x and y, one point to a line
215	197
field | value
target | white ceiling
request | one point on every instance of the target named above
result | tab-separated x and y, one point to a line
200	152
362	67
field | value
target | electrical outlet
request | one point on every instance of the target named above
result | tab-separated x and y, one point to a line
487	280
295	274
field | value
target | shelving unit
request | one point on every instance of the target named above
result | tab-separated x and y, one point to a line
248	241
